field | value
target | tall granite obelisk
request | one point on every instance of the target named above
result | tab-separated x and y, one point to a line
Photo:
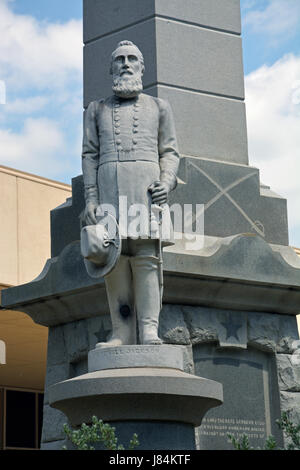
193	57
232	303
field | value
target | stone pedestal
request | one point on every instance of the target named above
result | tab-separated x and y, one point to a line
231	306
139	384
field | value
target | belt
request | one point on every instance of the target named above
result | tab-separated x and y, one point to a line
129	156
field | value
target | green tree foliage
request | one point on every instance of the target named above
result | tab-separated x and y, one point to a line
290	430
98	431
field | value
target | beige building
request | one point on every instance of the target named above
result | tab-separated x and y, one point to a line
26	202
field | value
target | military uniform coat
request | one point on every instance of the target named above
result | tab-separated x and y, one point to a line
128	144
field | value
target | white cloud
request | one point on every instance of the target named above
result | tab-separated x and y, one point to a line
29	105
38	148
279	18
273	115
41	66
38	54
2	92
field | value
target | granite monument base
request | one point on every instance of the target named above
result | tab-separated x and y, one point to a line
140	388
231	306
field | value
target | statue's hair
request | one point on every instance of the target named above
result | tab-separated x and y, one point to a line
125	43
128	43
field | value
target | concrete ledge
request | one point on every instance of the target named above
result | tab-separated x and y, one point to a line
242	272
157	395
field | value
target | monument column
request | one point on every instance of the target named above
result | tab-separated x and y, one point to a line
193	57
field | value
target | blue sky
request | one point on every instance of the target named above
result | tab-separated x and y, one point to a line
41	65
50	10
267	33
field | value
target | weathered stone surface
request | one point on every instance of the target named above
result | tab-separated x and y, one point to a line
53	422
288	373
76	339
287	345
188	362
201	324
172	326
56	373
55	445
291	402
57	351
271	332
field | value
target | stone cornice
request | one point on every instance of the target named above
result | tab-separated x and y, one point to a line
239	273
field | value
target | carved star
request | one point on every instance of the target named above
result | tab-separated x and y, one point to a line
231	329
102	334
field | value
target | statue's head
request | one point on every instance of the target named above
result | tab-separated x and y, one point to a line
127	69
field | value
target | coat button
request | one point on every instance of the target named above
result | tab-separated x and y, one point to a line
118	141
134	141
117	131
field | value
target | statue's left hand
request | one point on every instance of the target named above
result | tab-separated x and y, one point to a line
159	191
90	213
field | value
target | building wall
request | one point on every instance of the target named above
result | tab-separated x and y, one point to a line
26	201
25	204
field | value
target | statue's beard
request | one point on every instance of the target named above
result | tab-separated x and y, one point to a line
128	87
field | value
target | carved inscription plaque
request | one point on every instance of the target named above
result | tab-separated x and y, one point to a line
251	397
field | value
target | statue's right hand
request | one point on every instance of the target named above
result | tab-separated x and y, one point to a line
90	213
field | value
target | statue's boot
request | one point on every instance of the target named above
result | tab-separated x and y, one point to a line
145	270
120	299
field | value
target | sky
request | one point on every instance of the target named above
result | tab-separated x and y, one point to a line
41	86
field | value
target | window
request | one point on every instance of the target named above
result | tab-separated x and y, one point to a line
21	415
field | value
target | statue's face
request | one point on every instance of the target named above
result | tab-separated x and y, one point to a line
126	63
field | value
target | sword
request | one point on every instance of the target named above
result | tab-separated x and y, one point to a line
156	217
